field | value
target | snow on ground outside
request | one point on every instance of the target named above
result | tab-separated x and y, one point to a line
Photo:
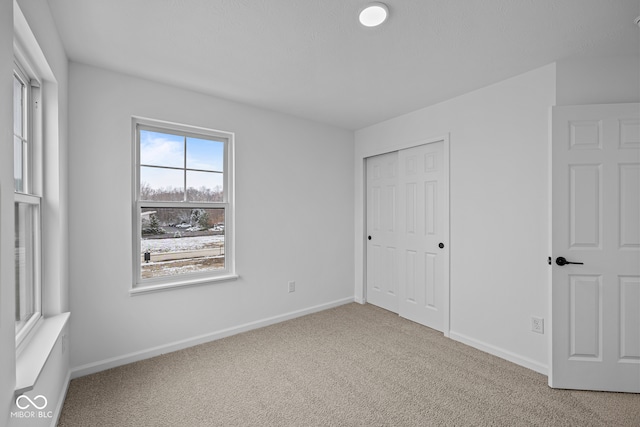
180	243
181	266
168	268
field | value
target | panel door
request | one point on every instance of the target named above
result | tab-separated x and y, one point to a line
422	209
595	306
382	231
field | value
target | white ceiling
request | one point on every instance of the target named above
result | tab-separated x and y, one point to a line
312	59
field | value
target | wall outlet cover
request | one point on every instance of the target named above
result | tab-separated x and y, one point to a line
537	324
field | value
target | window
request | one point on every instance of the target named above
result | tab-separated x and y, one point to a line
183	210
27	202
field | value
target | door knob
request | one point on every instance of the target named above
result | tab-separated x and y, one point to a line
369	238
441	245
563	261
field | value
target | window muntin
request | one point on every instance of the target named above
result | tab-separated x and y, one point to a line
27	213
181	235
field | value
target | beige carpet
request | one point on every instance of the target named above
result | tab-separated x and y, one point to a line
349	366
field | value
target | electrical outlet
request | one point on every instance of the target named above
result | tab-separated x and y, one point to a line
292	286
537	324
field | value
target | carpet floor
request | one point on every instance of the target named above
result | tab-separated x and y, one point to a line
354	365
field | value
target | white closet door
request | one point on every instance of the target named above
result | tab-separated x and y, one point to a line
422	234
382	231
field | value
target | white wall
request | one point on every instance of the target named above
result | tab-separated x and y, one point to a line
498	208
598	80
51	63
294	210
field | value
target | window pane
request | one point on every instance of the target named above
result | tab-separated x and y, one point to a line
26	306
18	94
205	154
204	186
179	241
161	184
18	161
161	149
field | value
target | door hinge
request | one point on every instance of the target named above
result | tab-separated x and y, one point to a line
549	260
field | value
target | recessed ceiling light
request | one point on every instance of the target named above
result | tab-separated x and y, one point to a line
374	14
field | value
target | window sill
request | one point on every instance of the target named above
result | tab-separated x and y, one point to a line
34	355
182	284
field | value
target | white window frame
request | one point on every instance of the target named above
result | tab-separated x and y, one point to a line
141	285
31	193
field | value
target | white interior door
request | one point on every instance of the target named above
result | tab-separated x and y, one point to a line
595	306
422	234
382	231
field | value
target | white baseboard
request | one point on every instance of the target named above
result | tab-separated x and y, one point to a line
61	399
92	368
501	353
